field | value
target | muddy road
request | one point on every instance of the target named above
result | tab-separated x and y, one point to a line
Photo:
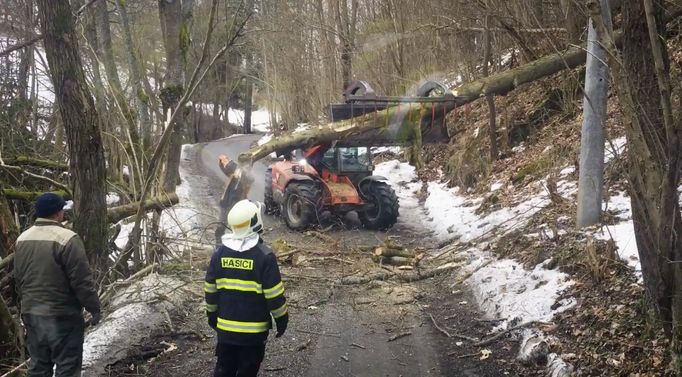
380	328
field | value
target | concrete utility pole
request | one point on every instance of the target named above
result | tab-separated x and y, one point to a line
591	177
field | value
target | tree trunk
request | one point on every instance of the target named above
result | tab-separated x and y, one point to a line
106	52
11	342
175	26
141	98
575	21
643	83
346	19
81	123
487	62
591	179
8	229
248	106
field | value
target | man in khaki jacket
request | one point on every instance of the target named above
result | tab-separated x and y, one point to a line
54	283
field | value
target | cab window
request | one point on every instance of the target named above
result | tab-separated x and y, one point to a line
354	159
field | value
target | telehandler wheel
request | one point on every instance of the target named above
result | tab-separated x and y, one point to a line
301	204
385	212
271	206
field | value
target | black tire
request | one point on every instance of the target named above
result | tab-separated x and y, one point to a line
301	205
271	207
386	207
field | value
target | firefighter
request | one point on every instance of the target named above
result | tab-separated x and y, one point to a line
244	292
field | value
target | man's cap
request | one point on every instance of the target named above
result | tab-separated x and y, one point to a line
49	204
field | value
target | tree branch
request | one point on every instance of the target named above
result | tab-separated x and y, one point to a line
194	82
37	176
21	45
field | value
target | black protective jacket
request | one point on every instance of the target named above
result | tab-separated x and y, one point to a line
243	292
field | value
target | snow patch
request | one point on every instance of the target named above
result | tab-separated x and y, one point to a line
394	150
505	289
139	309
614	148
496	186
622	233
112	198
459	218
260	119
567	171
403	179
302	127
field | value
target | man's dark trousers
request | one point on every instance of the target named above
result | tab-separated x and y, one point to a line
238	361
54	340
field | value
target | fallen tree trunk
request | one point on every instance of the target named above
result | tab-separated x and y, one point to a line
116	214
401	121
28	196
36	162
398	124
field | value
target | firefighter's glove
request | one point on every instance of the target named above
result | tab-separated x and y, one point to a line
282	323
213	321
96	317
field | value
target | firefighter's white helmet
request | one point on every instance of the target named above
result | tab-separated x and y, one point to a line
244	219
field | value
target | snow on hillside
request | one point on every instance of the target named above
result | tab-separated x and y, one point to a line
503	288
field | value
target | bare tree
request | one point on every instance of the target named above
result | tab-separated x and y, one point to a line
176	17
81	123
653	131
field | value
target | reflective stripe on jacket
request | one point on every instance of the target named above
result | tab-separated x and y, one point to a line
244	292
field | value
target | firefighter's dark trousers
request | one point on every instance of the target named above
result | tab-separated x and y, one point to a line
54	340
238	361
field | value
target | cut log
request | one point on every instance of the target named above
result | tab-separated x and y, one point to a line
116	214
395	260
390	252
